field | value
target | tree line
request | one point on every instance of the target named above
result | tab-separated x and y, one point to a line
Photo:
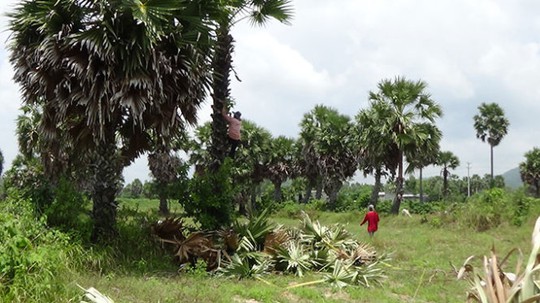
103	83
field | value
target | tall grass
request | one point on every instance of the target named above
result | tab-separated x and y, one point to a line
136	269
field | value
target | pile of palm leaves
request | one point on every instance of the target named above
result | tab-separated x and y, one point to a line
258	247
491	284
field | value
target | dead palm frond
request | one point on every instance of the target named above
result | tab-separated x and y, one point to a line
492	284
276	239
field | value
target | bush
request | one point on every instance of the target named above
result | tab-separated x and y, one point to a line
69	210
353	197
210	202
487	210
34	259
384	206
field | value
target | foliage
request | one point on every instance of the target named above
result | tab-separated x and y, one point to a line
491	125
112	80
353	197
487	210
28	177
329	150
530	171
384	207
69	209
133	190
1	163
406	116
493	285
34	259
211	211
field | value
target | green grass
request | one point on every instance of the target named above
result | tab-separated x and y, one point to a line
420	270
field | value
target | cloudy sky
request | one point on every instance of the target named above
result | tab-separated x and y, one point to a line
335	52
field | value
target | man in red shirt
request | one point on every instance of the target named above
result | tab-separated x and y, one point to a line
372	219
235	125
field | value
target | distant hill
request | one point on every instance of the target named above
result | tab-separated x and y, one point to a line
512	178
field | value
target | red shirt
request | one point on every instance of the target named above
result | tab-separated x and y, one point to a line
372	218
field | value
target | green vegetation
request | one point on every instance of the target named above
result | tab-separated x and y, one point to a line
45	265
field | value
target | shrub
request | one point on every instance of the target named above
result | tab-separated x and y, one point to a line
69	209
211	198
34	259
384	206
353	198
487	210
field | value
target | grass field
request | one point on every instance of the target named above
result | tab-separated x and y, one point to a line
420	269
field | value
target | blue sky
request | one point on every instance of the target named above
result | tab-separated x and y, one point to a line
335	52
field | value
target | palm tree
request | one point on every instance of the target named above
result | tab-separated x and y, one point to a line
1	163
374	154
425	154
491	125
331	147
402	106
111	76
530	170
230	13
164	167
250	165
280	163
448	161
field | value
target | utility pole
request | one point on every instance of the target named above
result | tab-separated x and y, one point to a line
468	179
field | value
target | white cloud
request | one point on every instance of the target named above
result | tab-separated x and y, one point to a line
336	51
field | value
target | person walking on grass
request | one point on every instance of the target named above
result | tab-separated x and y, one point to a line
235	125
372	219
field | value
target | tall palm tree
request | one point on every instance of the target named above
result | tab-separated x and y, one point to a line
280	163
403	106
424	154
258	12
111	75
164	167
491	125
374	154
1	163
530	170
448	161
328	135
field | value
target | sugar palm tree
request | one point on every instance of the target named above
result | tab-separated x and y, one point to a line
230	13
425	154
1	163
164	167
403	105
280	163
331	148
530	170
111	75
491	125
448	161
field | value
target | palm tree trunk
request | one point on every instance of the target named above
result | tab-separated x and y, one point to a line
318	193
307	196
278	194
106	173
221	93
421	187
376	188
163	205
445	182
399	186
331	189
491	183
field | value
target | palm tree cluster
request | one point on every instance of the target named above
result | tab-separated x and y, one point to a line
111	80
258	247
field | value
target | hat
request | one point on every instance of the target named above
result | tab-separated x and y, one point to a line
237	115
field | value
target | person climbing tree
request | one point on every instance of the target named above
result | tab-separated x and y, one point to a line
235	126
